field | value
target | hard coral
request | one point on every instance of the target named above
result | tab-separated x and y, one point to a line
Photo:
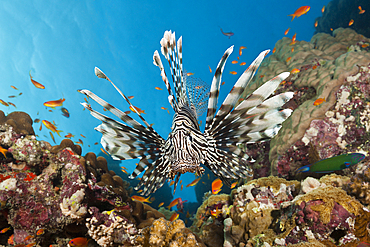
20	121
325	65
164	233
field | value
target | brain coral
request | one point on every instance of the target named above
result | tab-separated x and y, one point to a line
325	63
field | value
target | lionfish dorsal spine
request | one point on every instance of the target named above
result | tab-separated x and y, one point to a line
215	87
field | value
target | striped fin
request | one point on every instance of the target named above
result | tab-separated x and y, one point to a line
215	87
171	98
174	58
256	99
198	92
238	88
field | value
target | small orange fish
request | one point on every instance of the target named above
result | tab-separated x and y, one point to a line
52	137
189	74
5	230
241	50
210	70
40	232
233	185
287	31
174	216
166	109
331	29
243	63
124	171
18	89
141	199
292	49
82	135
101	149
130	97
351	22
139	191
234	62
316	23
295	71
172	182
173	203
182	186
300	11
194	182
319	101
233	72
274	50
323	9
216	186
158	88
293	39
3	151
35	83
161	204
288	59
96	143
54	103
216	212
80	142
127	112
69	135
28	237
12	96
314	67
223	83
11	239
79	242
361	10
137	109
261	76
364	45
51	127
3	102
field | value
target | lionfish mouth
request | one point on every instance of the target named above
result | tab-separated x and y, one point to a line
186	166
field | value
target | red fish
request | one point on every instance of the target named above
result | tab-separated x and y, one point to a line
173	203
35	83
319	101
228	34
300	11
5	230
54	103
174	216
40	231
79	242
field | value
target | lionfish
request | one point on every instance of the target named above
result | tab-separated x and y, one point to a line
255	119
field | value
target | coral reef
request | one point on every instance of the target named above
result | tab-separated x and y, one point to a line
336	69
50	194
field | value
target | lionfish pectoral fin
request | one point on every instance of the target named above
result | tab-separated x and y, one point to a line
176	181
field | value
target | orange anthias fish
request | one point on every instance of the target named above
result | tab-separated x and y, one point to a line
194	182
3	102
319	101
242	63
210	70
189	74
288	59
174	216
79	242
295	71
216	186
323	9
5	230
300	11
161	204
141	199
286	31
137	109
158	88
274	50
172	182
3	151
69	135
40	232
51	127
293	39
234	62
233	185
233	72
173	203
316	23
18	89
130	97
361	10
54	103
35	83
241	49
351	22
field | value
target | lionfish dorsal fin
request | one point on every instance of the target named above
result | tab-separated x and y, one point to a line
215	87
198	93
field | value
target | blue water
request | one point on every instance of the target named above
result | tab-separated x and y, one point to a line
61	43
